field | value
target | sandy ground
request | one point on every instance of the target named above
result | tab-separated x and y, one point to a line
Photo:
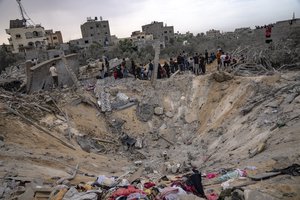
206	122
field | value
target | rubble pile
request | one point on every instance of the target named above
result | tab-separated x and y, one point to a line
216	136
268	58
13	78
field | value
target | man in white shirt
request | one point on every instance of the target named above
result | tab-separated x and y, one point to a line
54	74
223	57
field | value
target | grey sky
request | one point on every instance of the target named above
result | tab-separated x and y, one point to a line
126	16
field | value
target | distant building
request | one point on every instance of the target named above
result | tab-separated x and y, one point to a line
287	23
81	43
183	35
159	31
114	40
97	31
213	33
24	38
242	30
53	38
141	39
139	36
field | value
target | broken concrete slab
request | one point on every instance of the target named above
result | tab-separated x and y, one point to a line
73	194
105	102
139	143
144	112
169	114
158	111
255	195
221	76
28	194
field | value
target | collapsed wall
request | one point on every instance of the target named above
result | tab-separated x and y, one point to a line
39	77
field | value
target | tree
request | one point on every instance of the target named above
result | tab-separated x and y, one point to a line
127	46
95	50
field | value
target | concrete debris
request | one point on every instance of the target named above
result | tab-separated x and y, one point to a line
261	147
221	76
255	194
139	143
122	97
144	112
73	194
169	114
158	111
89	145
105	102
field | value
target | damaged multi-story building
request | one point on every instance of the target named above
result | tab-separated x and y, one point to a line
26	37
93	31
54	38
159	31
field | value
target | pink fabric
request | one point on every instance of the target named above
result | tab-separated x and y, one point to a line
212	196
211	175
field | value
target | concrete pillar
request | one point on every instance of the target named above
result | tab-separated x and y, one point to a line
156	47
28	72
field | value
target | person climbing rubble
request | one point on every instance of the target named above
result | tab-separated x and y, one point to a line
150	69
54	75
100	65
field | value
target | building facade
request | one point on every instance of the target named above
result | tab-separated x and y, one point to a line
24	38
94	30
53	38
159	31
213	33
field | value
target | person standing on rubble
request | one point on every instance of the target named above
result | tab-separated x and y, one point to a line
54	74
167	68
206	56
196	64
150	69
133	68
172	65
180	61
202	63
100	66
124	68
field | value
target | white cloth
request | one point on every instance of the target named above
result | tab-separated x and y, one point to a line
223	57
53	71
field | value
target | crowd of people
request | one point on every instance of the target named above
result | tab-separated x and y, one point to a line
195	63
224	60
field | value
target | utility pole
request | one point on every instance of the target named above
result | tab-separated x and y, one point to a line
156	47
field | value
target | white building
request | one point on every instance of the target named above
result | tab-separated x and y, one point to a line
24	38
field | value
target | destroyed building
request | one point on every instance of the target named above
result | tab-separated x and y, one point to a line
159	31
94	30
24	38
54	39
213	33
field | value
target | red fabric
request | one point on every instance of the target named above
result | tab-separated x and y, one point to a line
149	185
115	74
211	175
268	31
212	196
184	186
125	192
